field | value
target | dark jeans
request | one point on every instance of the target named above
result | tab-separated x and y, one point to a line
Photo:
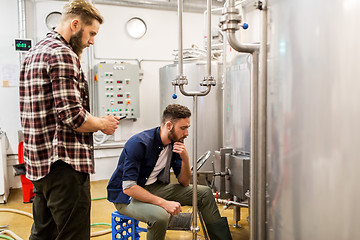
61	206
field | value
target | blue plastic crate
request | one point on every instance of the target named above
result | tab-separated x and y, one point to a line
124	227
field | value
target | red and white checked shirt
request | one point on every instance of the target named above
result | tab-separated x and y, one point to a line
54	101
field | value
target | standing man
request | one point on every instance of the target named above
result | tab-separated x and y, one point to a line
54	106
139	187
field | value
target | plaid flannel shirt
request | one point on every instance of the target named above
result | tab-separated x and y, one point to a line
54	101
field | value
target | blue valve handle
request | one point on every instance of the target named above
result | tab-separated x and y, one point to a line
174	96
245	26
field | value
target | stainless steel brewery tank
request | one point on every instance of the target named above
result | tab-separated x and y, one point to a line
313	157
209	106
237	104
236	129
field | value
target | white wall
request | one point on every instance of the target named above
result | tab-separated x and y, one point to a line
9	65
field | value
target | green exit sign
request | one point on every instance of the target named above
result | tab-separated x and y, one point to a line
23	45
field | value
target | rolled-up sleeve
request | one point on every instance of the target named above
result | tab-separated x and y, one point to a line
64	70
128	184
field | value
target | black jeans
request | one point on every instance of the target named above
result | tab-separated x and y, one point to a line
61	207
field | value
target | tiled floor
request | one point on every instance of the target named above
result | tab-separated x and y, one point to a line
101	213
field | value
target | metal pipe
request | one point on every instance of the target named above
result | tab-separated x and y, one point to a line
138	61
257	128
22	24
228	202
223	86
241	47
180	82
180	38
22	18
195	228
90	58
261	169
209	38
253	144
193	93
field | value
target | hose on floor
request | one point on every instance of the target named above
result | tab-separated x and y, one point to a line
6	237
16	211
99	233
93	234
12	234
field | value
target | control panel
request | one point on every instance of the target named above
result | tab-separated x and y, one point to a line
117	90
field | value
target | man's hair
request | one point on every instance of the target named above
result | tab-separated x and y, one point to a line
82	8
173	112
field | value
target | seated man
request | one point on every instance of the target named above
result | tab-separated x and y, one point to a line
139	187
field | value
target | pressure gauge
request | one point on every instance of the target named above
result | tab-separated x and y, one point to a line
136	27
52	20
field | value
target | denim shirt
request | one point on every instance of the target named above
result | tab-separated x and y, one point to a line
136	163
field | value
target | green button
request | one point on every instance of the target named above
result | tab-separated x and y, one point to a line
108	110
132	109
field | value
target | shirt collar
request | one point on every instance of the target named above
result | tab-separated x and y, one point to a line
56	35
158	138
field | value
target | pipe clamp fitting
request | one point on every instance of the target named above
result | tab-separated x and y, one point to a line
180	80
208	81
230	20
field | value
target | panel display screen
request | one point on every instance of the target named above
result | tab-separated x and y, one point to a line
23	45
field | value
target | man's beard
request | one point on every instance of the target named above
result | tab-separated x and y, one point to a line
173	138
76	42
